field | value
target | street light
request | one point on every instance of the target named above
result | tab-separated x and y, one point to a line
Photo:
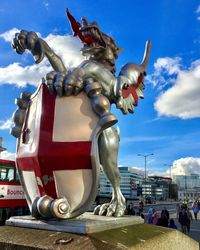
145	171
1	148
170	172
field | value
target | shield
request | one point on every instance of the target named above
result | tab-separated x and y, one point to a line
57	154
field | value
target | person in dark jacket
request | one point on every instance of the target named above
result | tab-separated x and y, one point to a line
163	221
183	220
172	224
166	212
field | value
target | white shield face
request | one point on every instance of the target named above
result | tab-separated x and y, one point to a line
57	153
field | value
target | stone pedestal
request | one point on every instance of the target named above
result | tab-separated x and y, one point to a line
84	224
135	237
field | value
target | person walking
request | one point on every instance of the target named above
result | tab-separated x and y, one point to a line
163	221
190	219
183	220
155	217
165	212
195	210
130	209
178	209
141	207
150	215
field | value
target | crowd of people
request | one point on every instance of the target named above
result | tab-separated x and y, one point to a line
162	220
184	215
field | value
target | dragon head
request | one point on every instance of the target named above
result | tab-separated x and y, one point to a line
131	83
96	44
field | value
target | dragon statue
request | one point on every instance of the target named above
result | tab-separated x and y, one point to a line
95	77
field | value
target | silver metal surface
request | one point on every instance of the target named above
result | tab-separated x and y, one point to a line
96	77
108	151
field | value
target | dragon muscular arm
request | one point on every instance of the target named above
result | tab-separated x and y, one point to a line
38	47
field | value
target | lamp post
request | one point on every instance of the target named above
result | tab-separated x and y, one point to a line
1	148
170	176
170	170
185	186
145	172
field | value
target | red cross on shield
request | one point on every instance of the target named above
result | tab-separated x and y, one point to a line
57	153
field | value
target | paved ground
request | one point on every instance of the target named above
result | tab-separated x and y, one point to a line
195	227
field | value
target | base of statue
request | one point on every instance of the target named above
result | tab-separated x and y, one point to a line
84	224
137	237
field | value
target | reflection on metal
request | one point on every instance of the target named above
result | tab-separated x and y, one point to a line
64	129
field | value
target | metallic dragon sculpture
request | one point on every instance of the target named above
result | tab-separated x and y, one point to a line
94	77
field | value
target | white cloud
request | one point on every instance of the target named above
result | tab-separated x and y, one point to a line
143	139
67	47
6	124
198	9
198	12
9	35
23	75
162	67
8	156
158	173
46	4
188	165
182	99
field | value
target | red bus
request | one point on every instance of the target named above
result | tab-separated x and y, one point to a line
12	199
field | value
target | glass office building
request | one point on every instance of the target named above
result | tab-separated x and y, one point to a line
187	181
130	183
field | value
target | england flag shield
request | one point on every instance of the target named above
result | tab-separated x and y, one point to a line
57	154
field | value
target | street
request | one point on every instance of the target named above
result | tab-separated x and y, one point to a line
194	227
194	230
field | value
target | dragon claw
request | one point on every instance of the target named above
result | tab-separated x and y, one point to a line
114	208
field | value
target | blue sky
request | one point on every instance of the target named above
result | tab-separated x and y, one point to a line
167	121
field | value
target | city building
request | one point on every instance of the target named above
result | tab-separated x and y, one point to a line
161	187
130	184
189	194
187	181
133	185
188	186
156	187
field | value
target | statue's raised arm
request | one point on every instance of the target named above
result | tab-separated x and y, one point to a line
38	47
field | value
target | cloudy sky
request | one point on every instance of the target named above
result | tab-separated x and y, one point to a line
167	122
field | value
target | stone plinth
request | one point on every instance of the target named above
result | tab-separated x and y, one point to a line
135	237
84	224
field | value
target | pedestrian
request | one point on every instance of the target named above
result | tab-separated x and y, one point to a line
155	217
178	209
150	215
195	210
166	213
130	209
190	219
172	224
163	221
183	220
141	207
198	204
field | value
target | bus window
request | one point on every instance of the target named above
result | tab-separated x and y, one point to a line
6	173
17	176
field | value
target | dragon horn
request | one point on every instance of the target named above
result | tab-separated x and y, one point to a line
146	54
74	24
